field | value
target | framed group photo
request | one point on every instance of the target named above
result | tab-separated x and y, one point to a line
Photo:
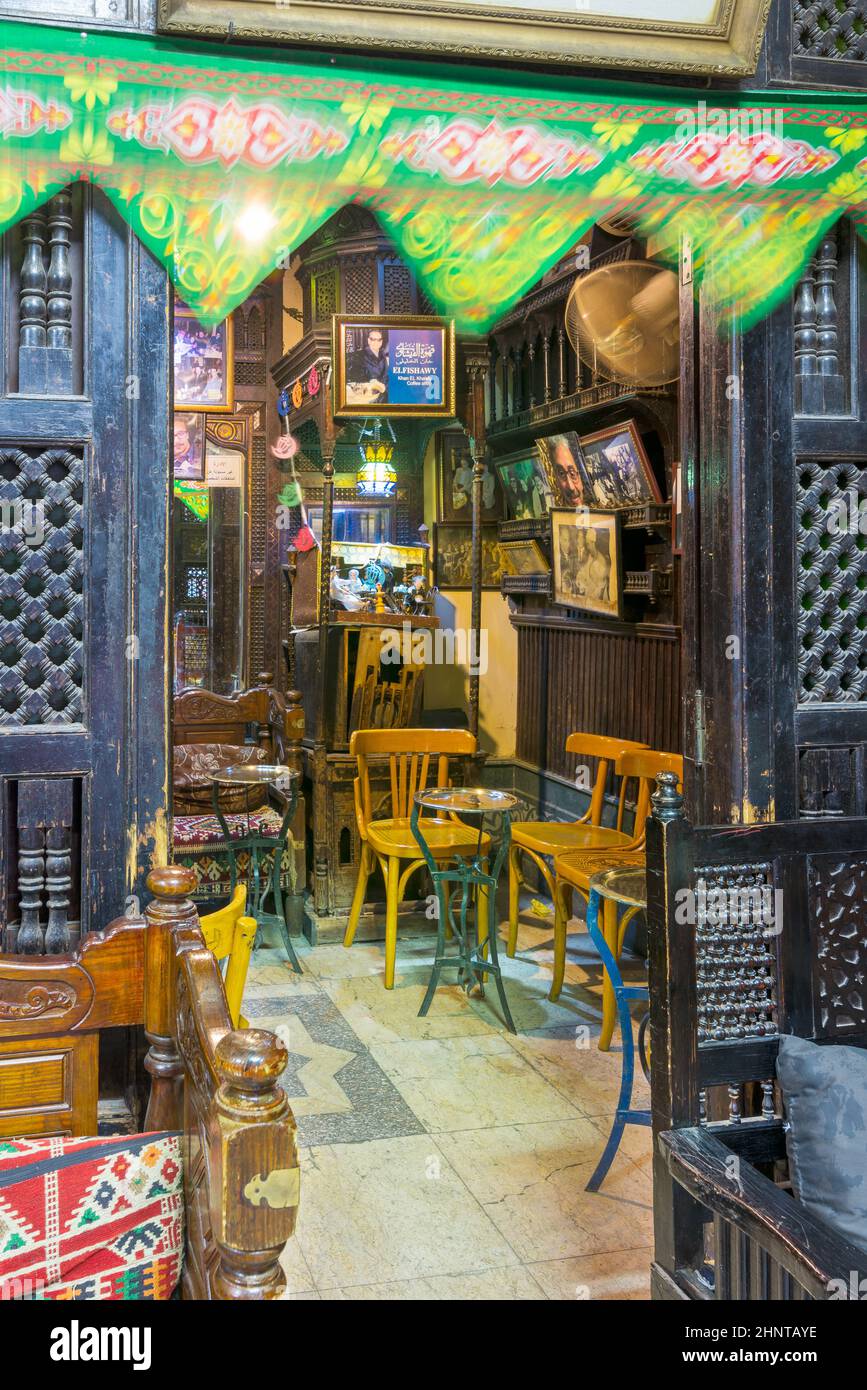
587	561
523	558
393	365
455	481
526	485
453	557
203	364
618	470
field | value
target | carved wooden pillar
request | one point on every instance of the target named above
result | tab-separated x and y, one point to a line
546	364
531	377
59	281
171	907
253	1151
492	383
561	362
44	820
819	384
32	284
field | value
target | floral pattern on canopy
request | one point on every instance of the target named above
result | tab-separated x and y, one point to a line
223	164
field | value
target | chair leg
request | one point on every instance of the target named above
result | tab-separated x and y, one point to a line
358	897
514	899
562	909
609	1002
392	897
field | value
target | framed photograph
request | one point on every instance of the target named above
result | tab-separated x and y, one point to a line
717	37
453	557
393	365
455	479
586	553
563	460
676	508
189	446
524	557
526	484
204	364
619	472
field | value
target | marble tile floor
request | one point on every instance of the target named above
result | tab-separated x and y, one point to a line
443	1157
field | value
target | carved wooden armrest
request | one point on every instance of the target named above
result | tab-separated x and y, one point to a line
241	1176
811	1252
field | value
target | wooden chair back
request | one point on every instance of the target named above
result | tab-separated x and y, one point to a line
607	751
231	936
261	715
417	759
643	765
754	931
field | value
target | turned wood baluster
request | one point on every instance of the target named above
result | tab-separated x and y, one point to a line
546	365
31	884
171	907
826	305
531	378
253	1149
32	287
58	882
59	281
561	363
805	324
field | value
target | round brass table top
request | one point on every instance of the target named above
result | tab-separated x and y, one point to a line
625	885
466	800
255	774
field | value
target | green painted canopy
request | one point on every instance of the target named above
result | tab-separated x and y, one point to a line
223	161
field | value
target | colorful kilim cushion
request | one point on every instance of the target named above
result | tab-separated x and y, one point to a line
199	844
91	1218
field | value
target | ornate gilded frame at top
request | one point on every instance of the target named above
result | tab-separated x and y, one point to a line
727	45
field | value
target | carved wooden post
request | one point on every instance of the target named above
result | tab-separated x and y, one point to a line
819	385
546	364
45	303
254	1162
561	362
171	886
59	281
32	284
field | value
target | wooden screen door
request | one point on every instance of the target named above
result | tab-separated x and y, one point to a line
83	523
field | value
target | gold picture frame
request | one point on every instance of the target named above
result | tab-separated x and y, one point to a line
585	551
368	379
721	38
205	386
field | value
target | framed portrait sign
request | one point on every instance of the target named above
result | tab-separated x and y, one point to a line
453	557
455	481
393	365
719	37
566	467
203	364
619	472
586	561
189	446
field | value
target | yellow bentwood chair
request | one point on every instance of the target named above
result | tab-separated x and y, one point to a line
574	870
541	840
415	756
230	935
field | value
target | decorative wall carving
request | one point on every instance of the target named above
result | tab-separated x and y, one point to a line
736	966
838	894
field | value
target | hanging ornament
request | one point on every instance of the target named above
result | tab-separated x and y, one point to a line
285	446
297	395
313	382
283	404
290	495
305	540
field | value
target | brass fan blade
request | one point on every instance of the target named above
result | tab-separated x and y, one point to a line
623	321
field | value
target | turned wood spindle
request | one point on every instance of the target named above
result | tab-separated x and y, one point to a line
171	907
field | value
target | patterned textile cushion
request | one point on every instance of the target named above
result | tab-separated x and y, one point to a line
825	1099
91	1218
195	765
198	843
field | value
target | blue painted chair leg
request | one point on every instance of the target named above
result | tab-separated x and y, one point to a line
624	1114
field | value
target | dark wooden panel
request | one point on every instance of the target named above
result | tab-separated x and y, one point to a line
620	681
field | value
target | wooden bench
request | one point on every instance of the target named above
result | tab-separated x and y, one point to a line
755	931
218	1087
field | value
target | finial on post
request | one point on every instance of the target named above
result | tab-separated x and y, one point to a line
667	800
171	885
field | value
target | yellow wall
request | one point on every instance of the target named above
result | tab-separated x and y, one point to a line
447	687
